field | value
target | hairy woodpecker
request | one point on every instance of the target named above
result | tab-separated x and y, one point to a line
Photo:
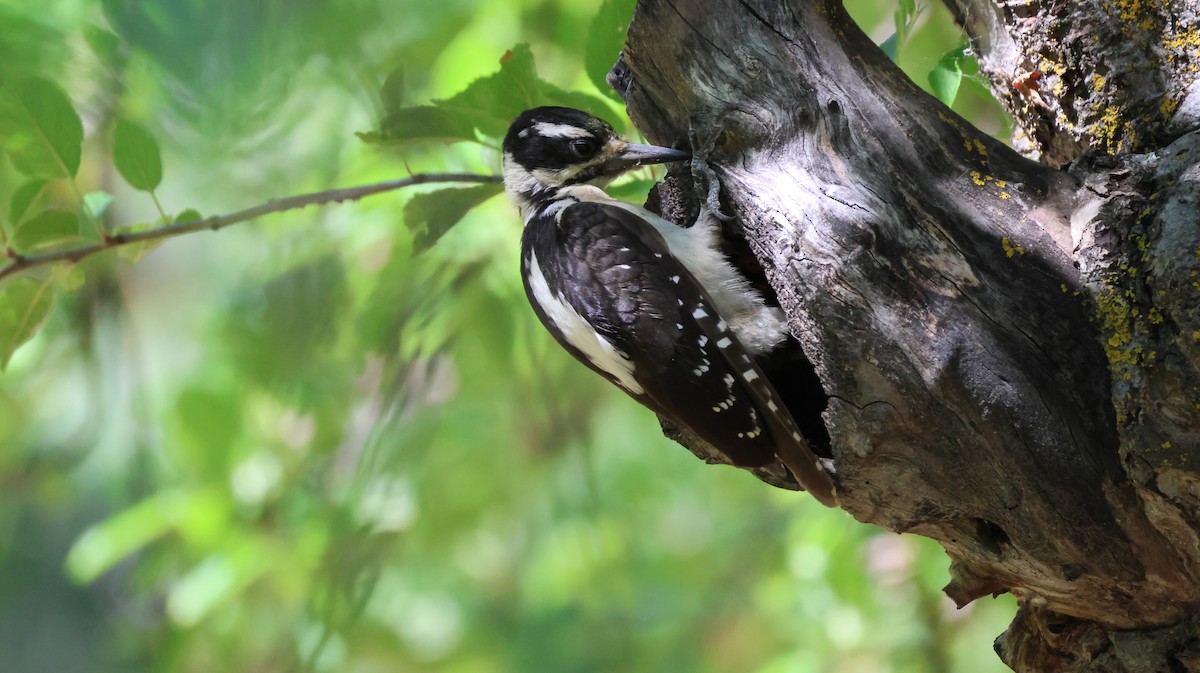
654	308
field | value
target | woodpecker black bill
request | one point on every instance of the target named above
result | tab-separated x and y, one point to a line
654	308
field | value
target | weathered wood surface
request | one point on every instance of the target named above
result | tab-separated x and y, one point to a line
1116	75
949	294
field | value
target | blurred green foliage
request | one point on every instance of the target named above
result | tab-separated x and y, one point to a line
298	445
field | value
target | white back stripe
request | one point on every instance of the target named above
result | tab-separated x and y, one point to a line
598	350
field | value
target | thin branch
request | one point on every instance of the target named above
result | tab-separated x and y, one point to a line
21	262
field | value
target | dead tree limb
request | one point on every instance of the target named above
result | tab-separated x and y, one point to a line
970	316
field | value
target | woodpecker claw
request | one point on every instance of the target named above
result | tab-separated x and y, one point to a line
705	178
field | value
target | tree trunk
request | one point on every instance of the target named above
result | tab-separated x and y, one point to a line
1007	352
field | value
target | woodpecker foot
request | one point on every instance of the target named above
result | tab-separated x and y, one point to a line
706	179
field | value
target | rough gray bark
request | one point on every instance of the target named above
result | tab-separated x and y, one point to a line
1005	354
1117	75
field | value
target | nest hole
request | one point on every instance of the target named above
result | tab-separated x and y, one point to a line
990	536
788	368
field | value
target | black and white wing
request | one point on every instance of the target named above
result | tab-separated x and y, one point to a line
604	283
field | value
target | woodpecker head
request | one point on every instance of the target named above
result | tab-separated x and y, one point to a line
548	148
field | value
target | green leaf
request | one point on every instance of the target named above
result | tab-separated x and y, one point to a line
424	122
430	215
905	17
217	579
136	154
40	129
95	204
104	545
488	105
31	39
634	191
103	43
189	215
68	277
392	91
210	423
132	252
46	228
890	45
24	306
606	37
946	76
23	200
493	102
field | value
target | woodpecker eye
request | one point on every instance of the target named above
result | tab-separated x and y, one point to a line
583	148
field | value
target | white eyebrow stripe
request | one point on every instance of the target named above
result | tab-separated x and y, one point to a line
551	130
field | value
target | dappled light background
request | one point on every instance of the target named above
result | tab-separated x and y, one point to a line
306	443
